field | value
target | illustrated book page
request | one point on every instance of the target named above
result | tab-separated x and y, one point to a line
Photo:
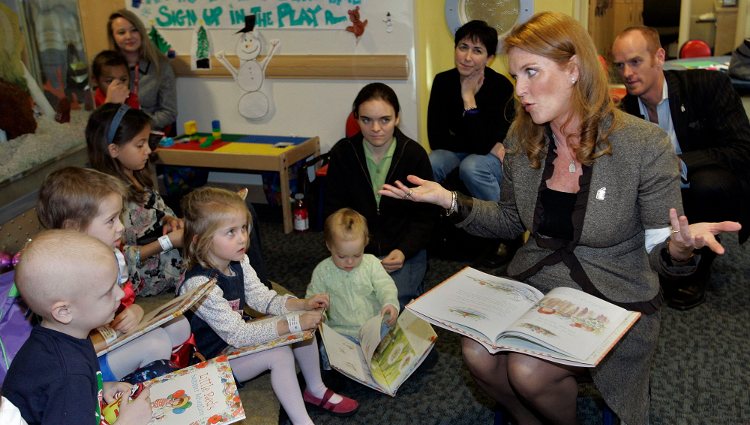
382	364
566	326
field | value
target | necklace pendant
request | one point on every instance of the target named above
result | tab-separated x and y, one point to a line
572	167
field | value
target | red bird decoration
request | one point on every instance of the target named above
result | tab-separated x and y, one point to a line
358	26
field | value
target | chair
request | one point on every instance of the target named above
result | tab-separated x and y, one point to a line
352	127
695	49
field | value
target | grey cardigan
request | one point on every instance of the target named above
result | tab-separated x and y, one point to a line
630	191
157	92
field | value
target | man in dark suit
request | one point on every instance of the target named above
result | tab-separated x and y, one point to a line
710	132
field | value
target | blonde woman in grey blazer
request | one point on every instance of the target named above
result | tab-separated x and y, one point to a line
599	192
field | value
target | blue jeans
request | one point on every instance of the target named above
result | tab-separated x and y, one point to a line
410	278
481	174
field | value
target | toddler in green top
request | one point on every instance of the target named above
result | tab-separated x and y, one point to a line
357	284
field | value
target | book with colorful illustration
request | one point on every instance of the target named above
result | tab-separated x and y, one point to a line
290	338
381	363
566	326
202	394
106	339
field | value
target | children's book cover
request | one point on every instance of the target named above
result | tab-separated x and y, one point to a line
203	394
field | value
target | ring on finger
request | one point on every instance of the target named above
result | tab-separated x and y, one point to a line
675	231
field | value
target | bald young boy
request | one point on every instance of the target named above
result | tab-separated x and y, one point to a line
71	281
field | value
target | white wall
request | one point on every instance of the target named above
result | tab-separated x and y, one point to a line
303	107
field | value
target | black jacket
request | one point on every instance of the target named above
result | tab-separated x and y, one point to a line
711	125
397	224
450	129
709	119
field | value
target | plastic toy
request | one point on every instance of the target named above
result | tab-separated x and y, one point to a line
207	142
191	129
216	129
166	142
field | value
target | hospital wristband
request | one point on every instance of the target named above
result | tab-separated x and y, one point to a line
293	321
166	244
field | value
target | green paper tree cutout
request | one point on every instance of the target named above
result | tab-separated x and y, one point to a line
201	51
159	41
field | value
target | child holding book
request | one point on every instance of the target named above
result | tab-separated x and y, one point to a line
357	284
91	202
110	72
217	226
55	377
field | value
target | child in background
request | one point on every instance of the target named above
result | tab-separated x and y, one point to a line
216	234
357	284
55	377
117	141
89	201
110	72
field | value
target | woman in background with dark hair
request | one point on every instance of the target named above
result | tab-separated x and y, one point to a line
359	166
469	113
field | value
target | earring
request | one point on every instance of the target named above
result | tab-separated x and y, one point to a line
572	80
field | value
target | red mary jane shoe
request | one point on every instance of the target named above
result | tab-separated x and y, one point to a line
346	407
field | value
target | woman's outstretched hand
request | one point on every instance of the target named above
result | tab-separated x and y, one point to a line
687	237
423	191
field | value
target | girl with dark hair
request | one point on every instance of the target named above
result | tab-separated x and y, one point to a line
359	166
117	141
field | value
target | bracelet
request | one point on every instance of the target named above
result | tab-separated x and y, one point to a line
293	321
675	260
165	243
454	204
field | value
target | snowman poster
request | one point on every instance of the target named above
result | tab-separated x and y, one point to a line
255	103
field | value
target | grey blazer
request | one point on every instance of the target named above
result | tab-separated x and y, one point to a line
157	92
630	191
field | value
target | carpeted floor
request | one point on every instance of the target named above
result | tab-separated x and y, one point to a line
700	376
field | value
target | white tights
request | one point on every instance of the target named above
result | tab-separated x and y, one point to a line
280	361
154	345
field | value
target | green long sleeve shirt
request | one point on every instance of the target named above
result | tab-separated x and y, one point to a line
356	296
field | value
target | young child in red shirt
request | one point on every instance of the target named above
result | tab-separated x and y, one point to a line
110	72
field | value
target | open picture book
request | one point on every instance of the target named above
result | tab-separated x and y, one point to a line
566	326
290	338
205	393
382	364
106	339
